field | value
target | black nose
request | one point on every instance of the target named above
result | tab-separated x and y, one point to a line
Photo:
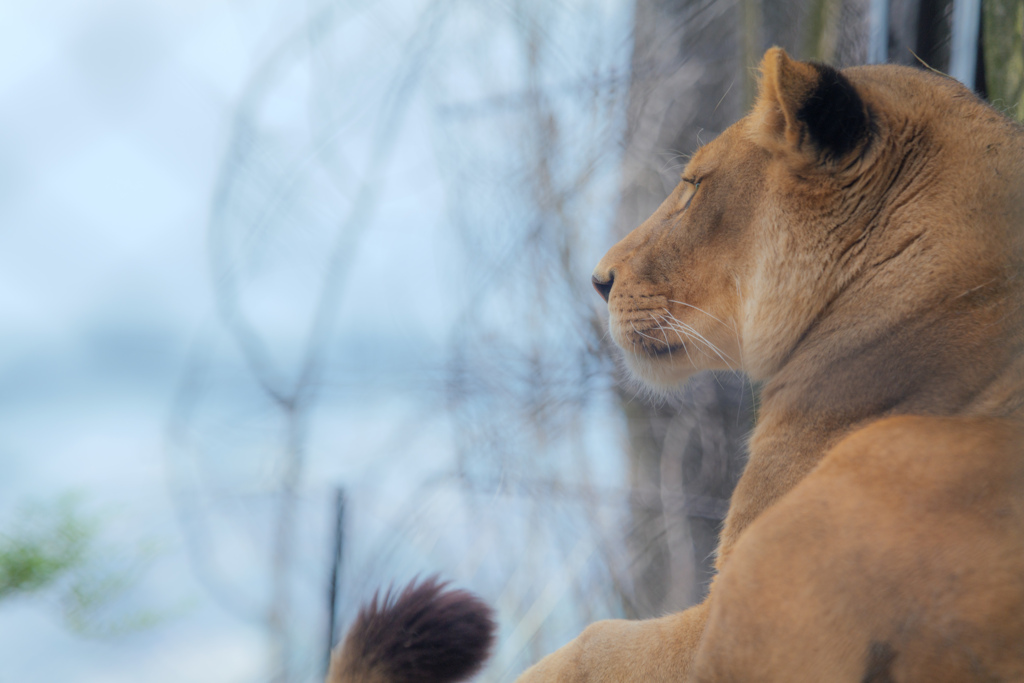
603	288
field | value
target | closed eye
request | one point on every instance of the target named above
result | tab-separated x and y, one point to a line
693	193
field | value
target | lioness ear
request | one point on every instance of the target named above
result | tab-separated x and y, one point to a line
808	108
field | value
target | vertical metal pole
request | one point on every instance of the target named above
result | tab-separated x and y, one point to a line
332	591
878	32
963	59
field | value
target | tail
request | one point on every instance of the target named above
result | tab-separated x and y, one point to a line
425	634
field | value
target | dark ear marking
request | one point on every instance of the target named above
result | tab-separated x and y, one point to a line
836	118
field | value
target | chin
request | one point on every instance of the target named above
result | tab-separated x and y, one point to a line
659	375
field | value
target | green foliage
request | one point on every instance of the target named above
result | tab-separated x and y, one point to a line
55	551
1003	42
43	547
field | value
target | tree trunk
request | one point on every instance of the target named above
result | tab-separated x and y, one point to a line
691	79
1002	26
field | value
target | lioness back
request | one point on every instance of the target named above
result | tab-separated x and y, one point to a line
901	556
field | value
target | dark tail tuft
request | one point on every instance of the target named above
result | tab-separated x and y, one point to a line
425	634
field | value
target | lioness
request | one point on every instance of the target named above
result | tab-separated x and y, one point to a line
857	243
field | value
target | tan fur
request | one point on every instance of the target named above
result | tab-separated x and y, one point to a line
877	533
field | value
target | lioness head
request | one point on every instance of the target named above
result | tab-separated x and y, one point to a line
843	203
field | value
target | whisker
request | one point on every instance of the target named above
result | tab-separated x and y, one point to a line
647	336
691	331
682	329
662	329
696	308
658	320
702	338
714	349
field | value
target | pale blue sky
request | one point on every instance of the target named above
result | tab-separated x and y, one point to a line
115	118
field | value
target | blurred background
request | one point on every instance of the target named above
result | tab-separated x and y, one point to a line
295	304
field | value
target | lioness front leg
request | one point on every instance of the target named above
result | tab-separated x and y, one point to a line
620	650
